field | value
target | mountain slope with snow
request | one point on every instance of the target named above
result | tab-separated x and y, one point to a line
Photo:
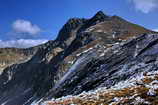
87	55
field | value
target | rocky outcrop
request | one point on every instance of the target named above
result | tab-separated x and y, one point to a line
87	54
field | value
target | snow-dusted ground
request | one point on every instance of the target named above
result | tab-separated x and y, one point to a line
132	83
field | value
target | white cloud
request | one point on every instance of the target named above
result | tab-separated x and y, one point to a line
145	6
24	26
21	43
155	30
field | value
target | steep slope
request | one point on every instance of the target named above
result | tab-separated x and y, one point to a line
87	54
104	67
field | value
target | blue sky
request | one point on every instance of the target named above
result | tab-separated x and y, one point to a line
37	21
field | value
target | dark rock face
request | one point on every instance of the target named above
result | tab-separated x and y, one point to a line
86	55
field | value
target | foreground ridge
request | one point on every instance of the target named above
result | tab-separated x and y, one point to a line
141	90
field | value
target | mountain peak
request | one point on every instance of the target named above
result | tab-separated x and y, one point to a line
100	15
70	25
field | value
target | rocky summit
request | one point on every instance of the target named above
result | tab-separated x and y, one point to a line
104	60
